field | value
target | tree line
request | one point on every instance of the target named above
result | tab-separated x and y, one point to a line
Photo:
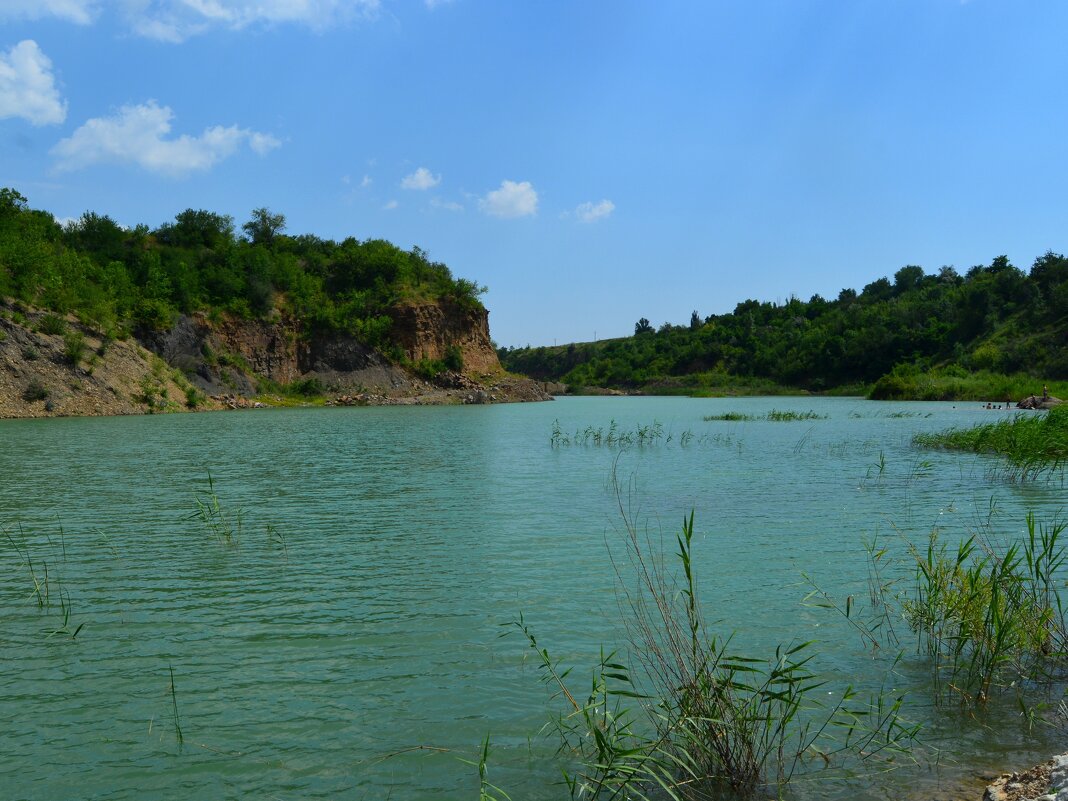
120	280
995	317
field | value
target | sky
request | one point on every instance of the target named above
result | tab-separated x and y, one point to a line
592	162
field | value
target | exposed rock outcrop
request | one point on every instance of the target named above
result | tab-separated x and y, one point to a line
426	331
220	363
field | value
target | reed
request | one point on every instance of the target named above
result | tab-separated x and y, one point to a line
642	436
174	707
775	416
1033	444
991	618
224	525
687	717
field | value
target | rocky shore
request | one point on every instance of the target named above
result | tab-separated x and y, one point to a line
1045	782
54	366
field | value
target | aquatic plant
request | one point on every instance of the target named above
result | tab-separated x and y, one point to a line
991	618
730	417
614	437
686	717
1034	445
174	707
775	416
778	416
224	525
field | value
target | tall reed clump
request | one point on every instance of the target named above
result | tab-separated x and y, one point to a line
1034	444
991	619
686	717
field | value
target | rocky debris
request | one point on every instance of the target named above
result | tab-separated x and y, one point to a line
77	372
237	402
1045	782
1039	402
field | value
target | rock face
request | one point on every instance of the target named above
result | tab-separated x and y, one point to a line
220	363
424	332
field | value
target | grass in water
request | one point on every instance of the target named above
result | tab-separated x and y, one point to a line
775	416
685	716
174	706
614	436
225	526
1034	443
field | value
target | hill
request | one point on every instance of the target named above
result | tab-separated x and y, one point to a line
204	313
940	335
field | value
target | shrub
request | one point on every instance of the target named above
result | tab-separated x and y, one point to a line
51	324
35	391
73	347
454	358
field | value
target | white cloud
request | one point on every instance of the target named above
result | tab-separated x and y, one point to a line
366	182
79	11
592	212
511	200
390	206
138	135
420	180
447	205
27	86
176	20
432	4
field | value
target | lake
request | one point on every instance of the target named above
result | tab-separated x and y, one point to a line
348	646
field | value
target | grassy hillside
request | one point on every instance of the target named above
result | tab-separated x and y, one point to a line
994	321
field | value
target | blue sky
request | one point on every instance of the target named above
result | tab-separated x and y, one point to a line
591	162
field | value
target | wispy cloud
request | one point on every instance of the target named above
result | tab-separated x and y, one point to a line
592	212
138	135
511	200
78	11
390	205
177	20
447	205
28	87
422	179
366	182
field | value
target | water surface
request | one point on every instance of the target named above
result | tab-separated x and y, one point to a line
348	646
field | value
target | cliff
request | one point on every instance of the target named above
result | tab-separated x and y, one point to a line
205	363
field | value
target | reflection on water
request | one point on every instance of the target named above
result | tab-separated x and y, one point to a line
312	660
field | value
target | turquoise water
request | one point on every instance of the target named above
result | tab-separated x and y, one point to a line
349	646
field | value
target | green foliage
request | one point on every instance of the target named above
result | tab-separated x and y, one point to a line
74	347
996	318
51	324
1034	443
704	721
35	391
991	618
454	358
127	279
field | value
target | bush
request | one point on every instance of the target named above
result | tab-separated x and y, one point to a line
454	358
35	391
51	324
74	347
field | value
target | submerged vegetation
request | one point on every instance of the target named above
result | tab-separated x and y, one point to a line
1034	443
993	332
